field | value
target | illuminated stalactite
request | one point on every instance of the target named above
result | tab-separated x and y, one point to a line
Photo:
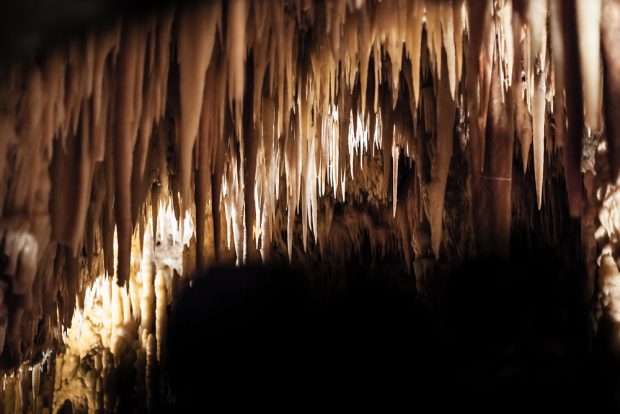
258	121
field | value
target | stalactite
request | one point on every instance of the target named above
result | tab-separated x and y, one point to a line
160	320
203	186
395	156
588	35
476	8
448	39
365	46
538	115
74	192
487	48
236	47
493	208
125	138
523	117
151	354
574	110
147	300
460	25
197	29
106	44
537	14
446	112
278	117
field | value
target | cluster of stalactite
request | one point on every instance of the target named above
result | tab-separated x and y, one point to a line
113	353
267	122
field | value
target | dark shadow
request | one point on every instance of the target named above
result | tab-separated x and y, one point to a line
499	337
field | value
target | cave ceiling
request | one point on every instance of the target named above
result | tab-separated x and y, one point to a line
242	132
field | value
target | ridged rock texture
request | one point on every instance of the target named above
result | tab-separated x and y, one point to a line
264	131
